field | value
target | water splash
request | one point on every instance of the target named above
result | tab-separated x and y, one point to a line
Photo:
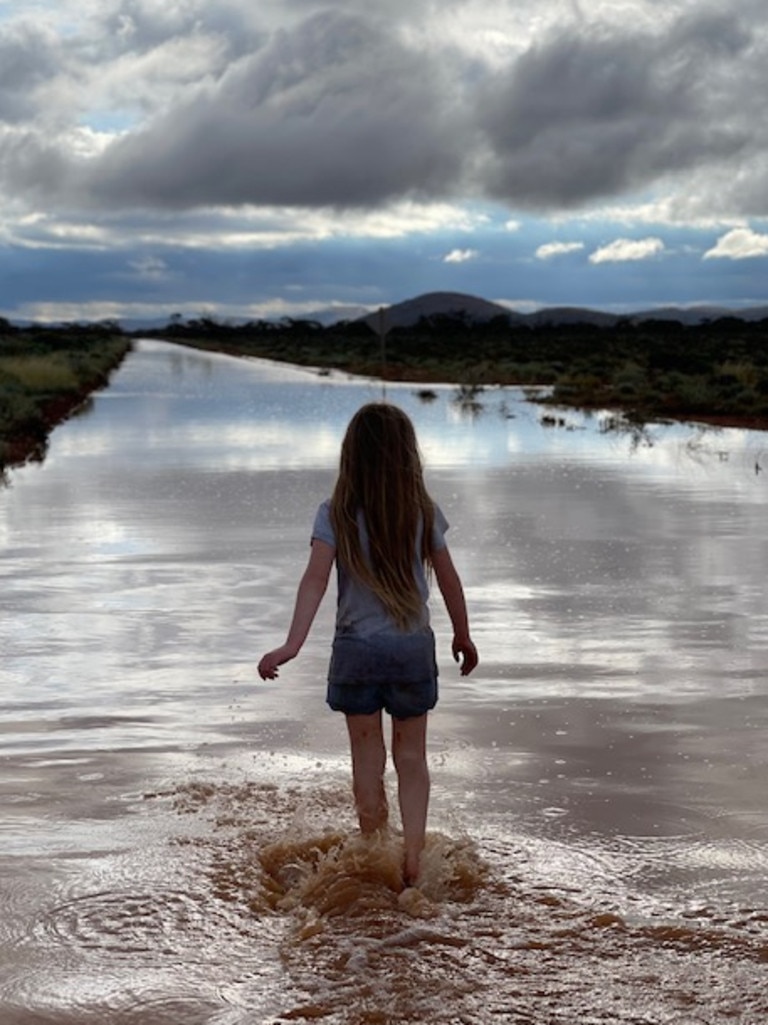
317	875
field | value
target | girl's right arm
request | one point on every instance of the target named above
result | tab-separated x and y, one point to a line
312	587
449	582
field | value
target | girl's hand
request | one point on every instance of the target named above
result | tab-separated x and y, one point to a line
269	662
465	652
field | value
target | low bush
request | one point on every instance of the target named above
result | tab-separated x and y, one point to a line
45	376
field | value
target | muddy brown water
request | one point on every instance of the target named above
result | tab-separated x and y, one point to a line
178	842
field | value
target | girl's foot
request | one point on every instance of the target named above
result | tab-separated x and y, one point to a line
411	870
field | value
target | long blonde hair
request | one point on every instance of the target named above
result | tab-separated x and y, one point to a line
381	475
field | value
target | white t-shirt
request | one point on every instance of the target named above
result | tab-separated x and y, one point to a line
358	609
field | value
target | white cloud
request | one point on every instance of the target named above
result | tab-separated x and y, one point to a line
677	208
270	309
550	249
67	312
460	255
232	229
739	244
37	231
149	267
624	249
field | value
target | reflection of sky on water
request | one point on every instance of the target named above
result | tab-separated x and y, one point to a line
592	559
616	586
176	405
599	555
167	530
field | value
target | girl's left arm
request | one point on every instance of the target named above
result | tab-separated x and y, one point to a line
449	582
312	587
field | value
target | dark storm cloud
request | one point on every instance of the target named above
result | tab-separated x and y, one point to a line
29	59
33	166
275	106
594	114
336	111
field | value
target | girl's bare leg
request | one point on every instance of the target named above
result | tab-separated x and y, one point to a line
369	759
409	752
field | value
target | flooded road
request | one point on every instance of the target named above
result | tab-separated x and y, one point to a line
178	838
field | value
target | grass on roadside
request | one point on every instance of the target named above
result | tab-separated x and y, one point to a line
44	378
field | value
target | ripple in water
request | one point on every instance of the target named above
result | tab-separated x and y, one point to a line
129	925
474	942
282	912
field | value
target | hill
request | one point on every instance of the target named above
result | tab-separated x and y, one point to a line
439	304
476	310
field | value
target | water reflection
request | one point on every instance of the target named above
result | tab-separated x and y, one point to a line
604	771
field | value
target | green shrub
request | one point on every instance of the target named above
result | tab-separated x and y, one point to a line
49	374
745	373
45	375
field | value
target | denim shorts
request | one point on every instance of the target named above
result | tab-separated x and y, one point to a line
394	672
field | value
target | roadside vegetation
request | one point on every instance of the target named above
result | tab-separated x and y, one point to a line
647	370
47	375
653	369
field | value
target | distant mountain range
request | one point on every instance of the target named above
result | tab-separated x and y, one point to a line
478	310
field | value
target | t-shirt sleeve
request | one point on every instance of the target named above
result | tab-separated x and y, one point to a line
322	529
438	529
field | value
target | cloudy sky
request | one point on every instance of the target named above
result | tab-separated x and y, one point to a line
262	159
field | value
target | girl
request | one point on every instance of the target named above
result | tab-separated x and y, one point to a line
383	531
